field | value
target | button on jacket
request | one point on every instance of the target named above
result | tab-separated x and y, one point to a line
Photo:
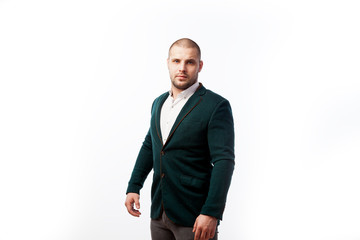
193	168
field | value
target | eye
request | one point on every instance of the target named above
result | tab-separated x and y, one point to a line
190	62
176	61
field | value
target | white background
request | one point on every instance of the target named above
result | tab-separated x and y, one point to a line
78	79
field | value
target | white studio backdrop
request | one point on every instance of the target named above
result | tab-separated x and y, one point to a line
77	79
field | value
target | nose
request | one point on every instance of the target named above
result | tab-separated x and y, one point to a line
182	67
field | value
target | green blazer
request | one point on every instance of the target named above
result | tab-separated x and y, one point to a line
193	168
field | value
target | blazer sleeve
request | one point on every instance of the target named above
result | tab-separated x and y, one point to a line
143	164
221	146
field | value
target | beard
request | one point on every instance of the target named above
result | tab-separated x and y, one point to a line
182	85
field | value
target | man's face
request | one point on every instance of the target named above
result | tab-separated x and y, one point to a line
184	65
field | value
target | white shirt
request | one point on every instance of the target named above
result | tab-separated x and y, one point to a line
172	107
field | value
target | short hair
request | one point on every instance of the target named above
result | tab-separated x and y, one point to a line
187	43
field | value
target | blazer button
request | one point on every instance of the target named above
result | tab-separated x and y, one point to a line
162	153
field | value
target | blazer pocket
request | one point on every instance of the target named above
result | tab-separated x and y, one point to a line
193	182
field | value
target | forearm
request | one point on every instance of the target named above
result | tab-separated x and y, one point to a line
219	186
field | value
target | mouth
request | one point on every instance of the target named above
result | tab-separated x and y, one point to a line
181	76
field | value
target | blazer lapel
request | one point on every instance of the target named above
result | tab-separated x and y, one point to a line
193	101
157	116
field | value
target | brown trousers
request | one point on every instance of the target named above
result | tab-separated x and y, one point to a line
164	229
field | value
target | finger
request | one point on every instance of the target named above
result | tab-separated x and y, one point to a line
195	226
197	234
137	203
134	212
212	234
130	207
204	235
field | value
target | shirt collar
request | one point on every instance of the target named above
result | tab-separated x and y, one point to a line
187	92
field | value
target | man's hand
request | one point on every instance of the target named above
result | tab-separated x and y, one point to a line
204	227
132	198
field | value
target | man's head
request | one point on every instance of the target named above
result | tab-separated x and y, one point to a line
184	64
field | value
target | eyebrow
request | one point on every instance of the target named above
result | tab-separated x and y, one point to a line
189	59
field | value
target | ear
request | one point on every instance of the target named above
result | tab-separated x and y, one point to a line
200	65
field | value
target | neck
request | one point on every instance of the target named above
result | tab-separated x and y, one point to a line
175	91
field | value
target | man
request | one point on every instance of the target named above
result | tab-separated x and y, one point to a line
190	147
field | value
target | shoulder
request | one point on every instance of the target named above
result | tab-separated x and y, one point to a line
219	109
161	97
159	100
213	96
214	99
212	104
